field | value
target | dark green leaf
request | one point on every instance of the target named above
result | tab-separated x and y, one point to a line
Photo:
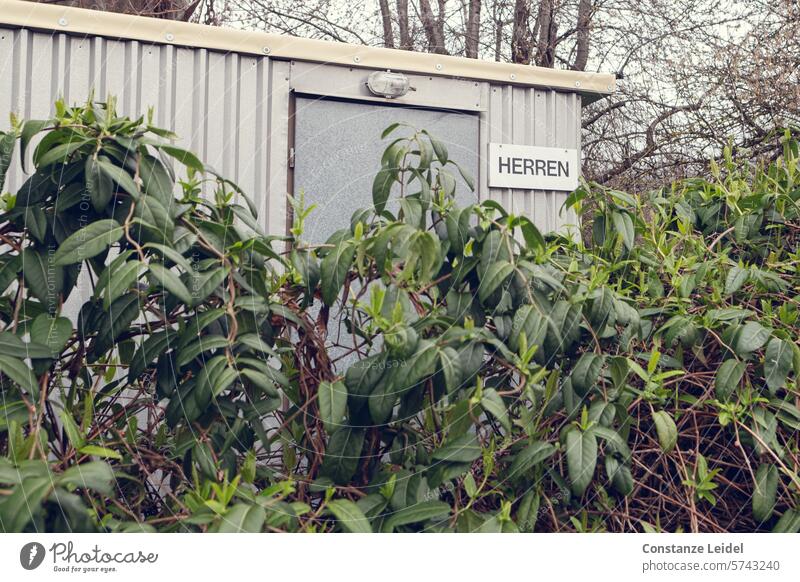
493	403
765	490
98	184
202	344
349	516
750	338
118	175
778	359
30	129
620	475
243	518
11	345
439	148
343	454
666	430
586	372
52	332
43	277
728	377
19	508
7	140
185	157
332	400
334	270
205	283
156	180
59	154
163	276
103	452
463	449
624	226
496	275
450	365
382	187
531	456
533	238
614	441
71	428
20	373
581	451
735	279
151	348
119	280
96	475
88	242
416	513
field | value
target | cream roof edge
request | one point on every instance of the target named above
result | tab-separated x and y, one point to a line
79	21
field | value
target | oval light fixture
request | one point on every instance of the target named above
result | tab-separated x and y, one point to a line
388	84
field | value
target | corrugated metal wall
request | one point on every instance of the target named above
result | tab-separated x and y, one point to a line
220	105
537	117
233	109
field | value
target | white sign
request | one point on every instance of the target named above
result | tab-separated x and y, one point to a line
533	167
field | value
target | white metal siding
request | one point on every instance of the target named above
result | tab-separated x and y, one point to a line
232	109
538	117
218	104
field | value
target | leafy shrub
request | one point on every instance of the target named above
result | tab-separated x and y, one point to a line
429	367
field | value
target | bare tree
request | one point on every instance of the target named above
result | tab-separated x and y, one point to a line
694	74
585	9
521	34
168	9
402	25
546	24
386	21
472	35
433	26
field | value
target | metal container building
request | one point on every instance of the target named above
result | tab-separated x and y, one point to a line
278	114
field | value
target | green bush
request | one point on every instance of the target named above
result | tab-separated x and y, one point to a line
428	368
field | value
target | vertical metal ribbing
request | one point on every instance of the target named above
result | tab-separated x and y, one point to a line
249	107
276	146
530	116
220	105
232	109
214	110
261	123
7	59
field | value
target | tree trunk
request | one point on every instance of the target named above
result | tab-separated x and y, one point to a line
582	43
521	35
433	27
386	20
402	23
473	29
440	26
546	49
168	9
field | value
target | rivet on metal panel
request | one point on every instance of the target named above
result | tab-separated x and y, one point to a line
439	66
170	37
265	50
63	21
356	59
577	83
513	76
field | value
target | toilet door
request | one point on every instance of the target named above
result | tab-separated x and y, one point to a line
338	148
